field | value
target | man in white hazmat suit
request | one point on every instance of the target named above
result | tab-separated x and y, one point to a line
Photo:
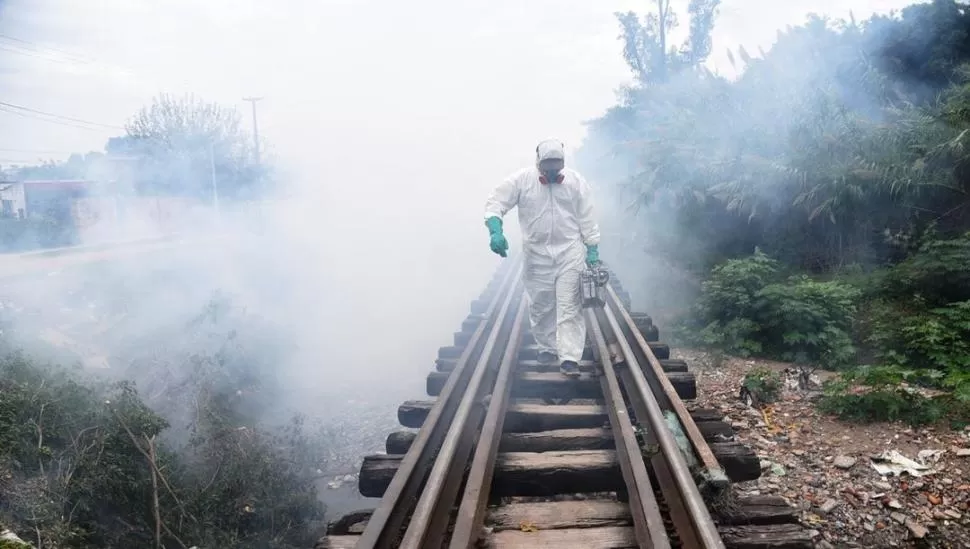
559	235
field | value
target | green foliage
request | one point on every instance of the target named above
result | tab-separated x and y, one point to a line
253	483
937	338
78	457
763	384
647	48
925	43
844	145
806	320
727	307
253	493
68	451
17	235
919	337
936	273
746	307
738	337
920	317
885	393
732	290
820	153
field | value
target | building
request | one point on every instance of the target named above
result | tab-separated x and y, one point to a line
12	201
54	199
100	210
51	199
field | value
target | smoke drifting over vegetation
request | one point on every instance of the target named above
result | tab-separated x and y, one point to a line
825	186
835	136
266	352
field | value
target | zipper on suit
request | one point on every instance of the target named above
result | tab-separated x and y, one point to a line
552	227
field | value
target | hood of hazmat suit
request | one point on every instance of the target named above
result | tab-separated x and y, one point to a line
557	223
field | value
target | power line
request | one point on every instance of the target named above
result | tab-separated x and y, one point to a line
32	49
56	116
50	120
4	47
37	51
37	47
62	117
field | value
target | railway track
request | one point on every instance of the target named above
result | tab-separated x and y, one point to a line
513	455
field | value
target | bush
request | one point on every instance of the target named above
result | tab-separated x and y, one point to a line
936	274
909	336
748	308
17	235
724	316
805	320
738	336
83	463
884	393
763	385
930	345
71	468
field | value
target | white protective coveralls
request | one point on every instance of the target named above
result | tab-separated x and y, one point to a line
556	220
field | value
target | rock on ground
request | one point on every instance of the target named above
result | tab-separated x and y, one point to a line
822	465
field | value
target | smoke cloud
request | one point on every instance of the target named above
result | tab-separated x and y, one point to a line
388	123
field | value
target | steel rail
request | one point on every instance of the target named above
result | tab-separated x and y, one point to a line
648	524
676	510
640	392
385	523
435	503
712	471
471	511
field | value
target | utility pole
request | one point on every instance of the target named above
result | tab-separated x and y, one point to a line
253	100
215	184
259	166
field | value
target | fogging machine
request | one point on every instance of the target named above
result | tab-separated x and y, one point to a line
592	282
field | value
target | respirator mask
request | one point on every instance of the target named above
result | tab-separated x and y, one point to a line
550	160
550	171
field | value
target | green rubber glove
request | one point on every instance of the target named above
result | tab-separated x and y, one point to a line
497	243
592	254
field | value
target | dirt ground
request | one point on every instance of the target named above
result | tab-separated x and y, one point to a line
824	466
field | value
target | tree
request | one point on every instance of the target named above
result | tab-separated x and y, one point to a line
179	141
822	148
923	44
77	166
646	46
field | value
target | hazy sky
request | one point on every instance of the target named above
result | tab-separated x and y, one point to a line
474	80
